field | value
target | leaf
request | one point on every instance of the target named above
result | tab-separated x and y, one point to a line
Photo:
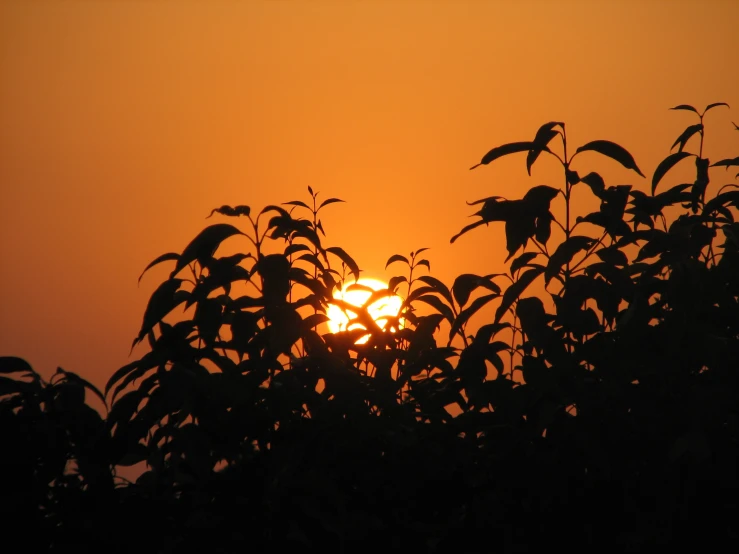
12	364
595	182
395	281
685	107
231	211
522	261
397	258
728	162
504	150
346	258
665	166
613	151
564	254
714	105
436	303
205	244
163	300
543	136
163	258
293	248
467	313
329	201
515	290
465	229
439	287
685	136
468	282
424	262
314	320
612	255
73	377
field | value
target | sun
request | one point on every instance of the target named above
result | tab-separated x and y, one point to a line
380	310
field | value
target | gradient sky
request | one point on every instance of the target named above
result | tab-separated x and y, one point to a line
123	123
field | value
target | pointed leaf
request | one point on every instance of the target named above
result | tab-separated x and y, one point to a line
466	283
440	287
564	254
714	105
163	258
424	262
468	312
465	229
231	211
728	162
395	281
397	258
346	258
595	182
440	307
543	136
613	151
504	150
205	244
163	300
665	166
685	107
522	261
515	290
73	377
329	201
685	136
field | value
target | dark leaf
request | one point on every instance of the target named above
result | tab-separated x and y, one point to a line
165	299
612	255
465	229
397	258
504	150
543	136
665	165
515	290
436	303
74	378
314	320
467	313
613	151
329	201
539	197
424	262
205	244
439	287
163	258
395	281
714	105
685	136
522	261
564	254
347	259
12	364
595	182
727	163
293	248
685	107
468	282
231	211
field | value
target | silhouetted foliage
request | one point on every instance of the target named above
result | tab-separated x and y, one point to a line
601	413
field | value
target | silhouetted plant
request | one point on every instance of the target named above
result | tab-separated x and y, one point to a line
616	388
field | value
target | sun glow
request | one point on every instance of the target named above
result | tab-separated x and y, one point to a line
357	295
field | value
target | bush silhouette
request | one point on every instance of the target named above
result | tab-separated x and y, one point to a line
600	414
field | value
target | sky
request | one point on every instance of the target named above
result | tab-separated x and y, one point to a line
123	123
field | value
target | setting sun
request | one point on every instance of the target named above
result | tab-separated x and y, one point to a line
357	295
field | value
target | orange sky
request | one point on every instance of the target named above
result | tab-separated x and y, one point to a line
123	123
